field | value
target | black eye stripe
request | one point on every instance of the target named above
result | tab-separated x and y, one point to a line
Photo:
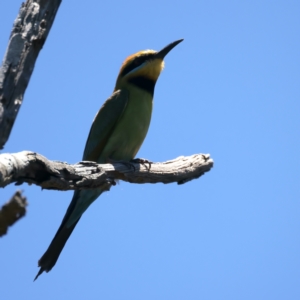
137	61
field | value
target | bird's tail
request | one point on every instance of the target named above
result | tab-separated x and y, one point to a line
48	260
80	202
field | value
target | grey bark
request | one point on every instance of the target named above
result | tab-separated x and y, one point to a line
27	38
12	211
34	168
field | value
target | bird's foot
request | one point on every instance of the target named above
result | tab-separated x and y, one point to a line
130	164
142	161
124	162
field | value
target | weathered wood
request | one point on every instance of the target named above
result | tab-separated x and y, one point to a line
34	168
12	211
27	38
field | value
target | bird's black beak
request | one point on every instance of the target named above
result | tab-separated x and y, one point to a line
163	52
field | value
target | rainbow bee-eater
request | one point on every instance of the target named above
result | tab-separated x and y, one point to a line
117	133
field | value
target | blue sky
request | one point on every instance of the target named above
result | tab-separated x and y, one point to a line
230	89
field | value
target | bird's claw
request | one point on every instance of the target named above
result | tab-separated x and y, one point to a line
130	163
142	161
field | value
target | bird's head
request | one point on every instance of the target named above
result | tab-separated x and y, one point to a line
142	69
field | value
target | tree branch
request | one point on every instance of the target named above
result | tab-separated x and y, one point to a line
12	211
27	38
34	168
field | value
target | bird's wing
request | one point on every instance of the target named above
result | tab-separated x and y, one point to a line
104	123
101	129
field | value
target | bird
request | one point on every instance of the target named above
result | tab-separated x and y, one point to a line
117	133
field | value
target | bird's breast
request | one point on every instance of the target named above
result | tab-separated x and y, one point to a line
132	127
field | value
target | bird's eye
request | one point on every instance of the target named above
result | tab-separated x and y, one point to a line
135	63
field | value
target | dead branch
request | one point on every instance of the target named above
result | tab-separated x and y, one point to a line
12	211
27	38
34	168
